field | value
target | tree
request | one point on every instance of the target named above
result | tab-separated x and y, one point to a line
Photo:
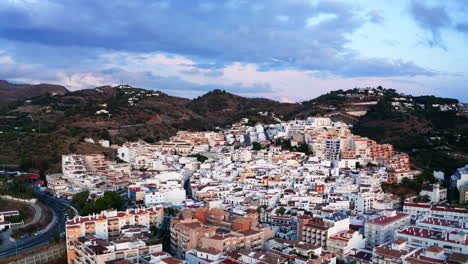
17	188
171	211
26	163
304	148
358	165
110	200
260	208
42	165
200	157
80	200
256	146
281	210
157	232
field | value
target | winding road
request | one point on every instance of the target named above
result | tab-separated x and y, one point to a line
57	225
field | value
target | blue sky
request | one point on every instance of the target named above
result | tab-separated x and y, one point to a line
288	50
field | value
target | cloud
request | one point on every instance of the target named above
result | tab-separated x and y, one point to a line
433	19
376	16
462	27
294	49
191	71
214	73
305	35
383	68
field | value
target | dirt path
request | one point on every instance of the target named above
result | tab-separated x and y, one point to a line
37	215
33	212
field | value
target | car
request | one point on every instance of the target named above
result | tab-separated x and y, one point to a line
24	236
37	233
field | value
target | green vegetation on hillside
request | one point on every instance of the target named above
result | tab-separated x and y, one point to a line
410	187
18	188
435	139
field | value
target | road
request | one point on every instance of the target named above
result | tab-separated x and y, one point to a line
58	225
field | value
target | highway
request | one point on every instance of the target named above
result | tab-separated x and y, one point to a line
57	225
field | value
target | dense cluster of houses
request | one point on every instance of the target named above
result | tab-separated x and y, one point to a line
269	203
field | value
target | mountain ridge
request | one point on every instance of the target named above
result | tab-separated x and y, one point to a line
122	113
10	92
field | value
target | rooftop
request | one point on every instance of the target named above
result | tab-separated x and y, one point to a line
386	220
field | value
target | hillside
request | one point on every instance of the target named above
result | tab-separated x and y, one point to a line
10	92
119	114
433	130
221	108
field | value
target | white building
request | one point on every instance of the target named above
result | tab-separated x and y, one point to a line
3	223
435	192
460	178
204	256
173	195
382	229
364	201
344	242
424	237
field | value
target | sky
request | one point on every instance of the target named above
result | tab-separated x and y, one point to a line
287	50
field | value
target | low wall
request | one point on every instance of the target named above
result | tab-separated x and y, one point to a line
9	197
44	256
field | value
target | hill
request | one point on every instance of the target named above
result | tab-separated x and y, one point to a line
56	124
39	130
434	131
10	92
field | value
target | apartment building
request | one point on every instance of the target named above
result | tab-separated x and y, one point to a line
392	252
397	175
425	237
435	254
364	201
382	229
400	161
111	222
94	250
110	225
317	230
343	243
441	224
387	201
453	213
73	165
417	210
423	210
216	229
